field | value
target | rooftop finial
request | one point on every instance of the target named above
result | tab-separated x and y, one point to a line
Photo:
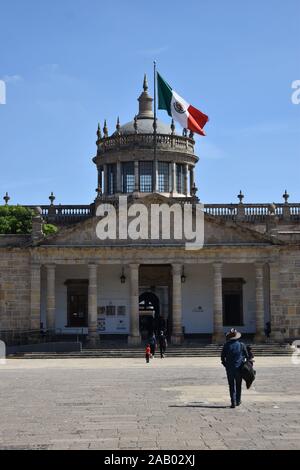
145	83
285	197
118	126
135	125
240	196
105	130
172	127
6	198
52	198
145	102
99	135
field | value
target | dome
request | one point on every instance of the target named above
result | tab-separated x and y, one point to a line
145	126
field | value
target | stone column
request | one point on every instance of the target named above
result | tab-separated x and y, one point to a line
105	179
277	317
136	177
35	297
174	189
92	305
186	173
134	335
218	335
260	304
119	178
192	177
100	185
155	176
50	297
177	335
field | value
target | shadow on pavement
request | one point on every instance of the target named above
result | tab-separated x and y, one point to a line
199	405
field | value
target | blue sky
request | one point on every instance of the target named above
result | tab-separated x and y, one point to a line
69	64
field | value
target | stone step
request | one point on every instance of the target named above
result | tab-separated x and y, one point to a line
185	350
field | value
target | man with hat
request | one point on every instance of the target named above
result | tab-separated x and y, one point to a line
233	355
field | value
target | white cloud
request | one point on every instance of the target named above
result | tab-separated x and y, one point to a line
12	78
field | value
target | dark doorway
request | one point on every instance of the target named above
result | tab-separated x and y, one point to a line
149	314
77	301
233	301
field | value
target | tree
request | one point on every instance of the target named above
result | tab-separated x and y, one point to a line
49	229
15	220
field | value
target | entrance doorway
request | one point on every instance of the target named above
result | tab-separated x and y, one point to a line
77	302
149	319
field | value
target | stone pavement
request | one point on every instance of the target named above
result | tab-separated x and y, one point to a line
171	403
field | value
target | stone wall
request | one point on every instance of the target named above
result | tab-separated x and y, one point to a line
285	294
14	289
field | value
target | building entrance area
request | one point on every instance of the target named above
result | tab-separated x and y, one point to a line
149	314
154	299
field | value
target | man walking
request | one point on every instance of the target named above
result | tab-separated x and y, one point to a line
162	340
233	355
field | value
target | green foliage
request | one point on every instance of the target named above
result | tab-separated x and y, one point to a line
15	220
49	229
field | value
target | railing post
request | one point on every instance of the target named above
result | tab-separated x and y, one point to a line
286	212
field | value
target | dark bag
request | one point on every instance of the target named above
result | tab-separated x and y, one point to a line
248	373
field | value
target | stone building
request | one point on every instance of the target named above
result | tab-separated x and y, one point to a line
73	282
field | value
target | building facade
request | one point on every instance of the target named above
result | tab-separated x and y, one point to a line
246	274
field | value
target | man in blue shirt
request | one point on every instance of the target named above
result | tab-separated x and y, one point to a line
233	355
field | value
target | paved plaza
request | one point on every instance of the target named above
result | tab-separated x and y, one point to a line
173	403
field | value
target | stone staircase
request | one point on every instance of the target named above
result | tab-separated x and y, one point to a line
114	350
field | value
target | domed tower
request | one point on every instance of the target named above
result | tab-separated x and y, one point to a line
137	161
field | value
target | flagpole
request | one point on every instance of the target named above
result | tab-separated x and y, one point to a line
154	132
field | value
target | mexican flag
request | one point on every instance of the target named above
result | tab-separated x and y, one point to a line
179	109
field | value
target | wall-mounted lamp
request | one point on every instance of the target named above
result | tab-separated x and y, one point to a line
122	277
183	276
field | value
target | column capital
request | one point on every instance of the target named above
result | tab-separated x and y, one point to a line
259	265
176	268
93	265
35	264
50	266
134	265
218	266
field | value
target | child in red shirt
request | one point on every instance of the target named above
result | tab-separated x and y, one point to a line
147	352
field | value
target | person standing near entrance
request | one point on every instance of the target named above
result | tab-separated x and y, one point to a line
162	341
152	343
233	355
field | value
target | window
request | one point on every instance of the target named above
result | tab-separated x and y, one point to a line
146	173
128	177
111	179
180	178
121	310
163	177
233	301
110	310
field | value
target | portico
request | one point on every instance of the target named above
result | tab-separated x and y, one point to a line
196	296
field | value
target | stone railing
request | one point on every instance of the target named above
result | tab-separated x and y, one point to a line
163	141
251	213
255	213
65	214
